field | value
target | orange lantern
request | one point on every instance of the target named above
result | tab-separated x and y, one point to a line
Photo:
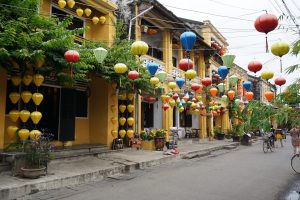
269	95
249	96
200	89
213	91
231	94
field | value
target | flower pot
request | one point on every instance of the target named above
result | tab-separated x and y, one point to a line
159	143
235	138
33	173
148	145
220	136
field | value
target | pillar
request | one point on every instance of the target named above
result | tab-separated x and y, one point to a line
3	81
167	51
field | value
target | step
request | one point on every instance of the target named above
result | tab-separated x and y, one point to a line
4	166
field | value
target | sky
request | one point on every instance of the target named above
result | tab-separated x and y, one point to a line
244	41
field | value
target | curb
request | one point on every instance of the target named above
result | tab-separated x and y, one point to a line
18	191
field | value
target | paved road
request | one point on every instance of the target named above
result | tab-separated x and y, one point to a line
243	174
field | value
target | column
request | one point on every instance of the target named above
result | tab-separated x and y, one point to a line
3	81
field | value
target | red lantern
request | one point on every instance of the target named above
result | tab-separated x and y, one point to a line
254	66
133	75
202	107
269	95
213	91
280	81
72	56
266	23
165	106
249	96
195	86
194	100
231	94
223	110
206	81
175	96
149	99
185	64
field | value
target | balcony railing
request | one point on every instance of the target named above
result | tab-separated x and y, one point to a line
146	59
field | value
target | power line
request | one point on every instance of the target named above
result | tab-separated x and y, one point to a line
232	6
291	15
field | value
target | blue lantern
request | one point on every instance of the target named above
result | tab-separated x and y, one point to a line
152	68
188	40
223	71
180	82
247	85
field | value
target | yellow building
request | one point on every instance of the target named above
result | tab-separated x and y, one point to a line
81	114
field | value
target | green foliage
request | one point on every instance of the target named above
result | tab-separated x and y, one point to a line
147	136
160	133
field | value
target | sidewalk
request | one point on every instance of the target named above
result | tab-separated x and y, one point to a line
81	170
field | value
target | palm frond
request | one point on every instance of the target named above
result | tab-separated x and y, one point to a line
292	68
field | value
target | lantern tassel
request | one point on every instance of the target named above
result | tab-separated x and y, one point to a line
267	47
280	65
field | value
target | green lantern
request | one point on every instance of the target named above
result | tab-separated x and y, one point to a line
161	75
237	102
233	80
228	60
189	103
221	87
100	54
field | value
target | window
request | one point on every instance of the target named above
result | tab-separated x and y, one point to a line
147	115
81	103
185	119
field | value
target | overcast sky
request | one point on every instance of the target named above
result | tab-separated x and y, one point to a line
244	41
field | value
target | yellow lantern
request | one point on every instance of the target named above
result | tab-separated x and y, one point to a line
23	134
62	3
113	120
172	102
122	133
87	12
193	105
163	98
71	3
113	108
95	20
122	96
154	81
130	121
38	79
139	48
266	75
130	108
196	111
36	116
39	62
27	79
130	96
280	48
11	132
14	115
14	97
120	68
37	98
181	109
35	135
114	133
79	12
122	108
16	80
199	97
122	121
190	74
26	96
102	19
130	133
172	85
114	97
24	115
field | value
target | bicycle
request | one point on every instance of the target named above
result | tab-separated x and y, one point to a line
268	143
295	163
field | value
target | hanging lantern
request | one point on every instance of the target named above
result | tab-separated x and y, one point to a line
24	115
113	108
280	81
122	133
224	98
200	89
122	121
95	20
269	95
267	75
266	23
280	48
185	64
206	81
36	116
16	80
254	66
228	60
38	79
37	98
130	108
154	81
100	54
27	79
181	109
113	120
26	96
23	134
71	3
130	121
130	96
223	71
165	106
139	48
102	19
11	132
130	133
133	75
195	86
149	99
14	115
172	85
213	91
122	108
188	40
114	133
194	100
180	82
35	135
152	68
122	96
62	4
172	103
79	12
190	74
87	12
233	80
249	96
72	56
237	102
247	85
167	99
231	94
161	75
221	87
185	99
175	96
163	97
199	97
14	97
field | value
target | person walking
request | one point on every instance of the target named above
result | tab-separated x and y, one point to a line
295	137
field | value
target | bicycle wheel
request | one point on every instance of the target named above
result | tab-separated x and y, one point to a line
271	146
295	163
265	146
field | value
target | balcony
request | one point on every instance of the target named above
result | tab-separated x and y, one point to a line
146	59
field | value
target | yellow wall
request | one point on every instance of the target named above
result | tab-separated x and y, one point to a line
2	106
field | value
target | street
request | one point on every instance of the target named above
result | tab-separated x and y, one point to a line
246	173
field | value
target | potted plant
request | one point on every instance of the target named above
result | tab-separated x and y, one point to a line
237	132
159	139
147	140
38	153
218	133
